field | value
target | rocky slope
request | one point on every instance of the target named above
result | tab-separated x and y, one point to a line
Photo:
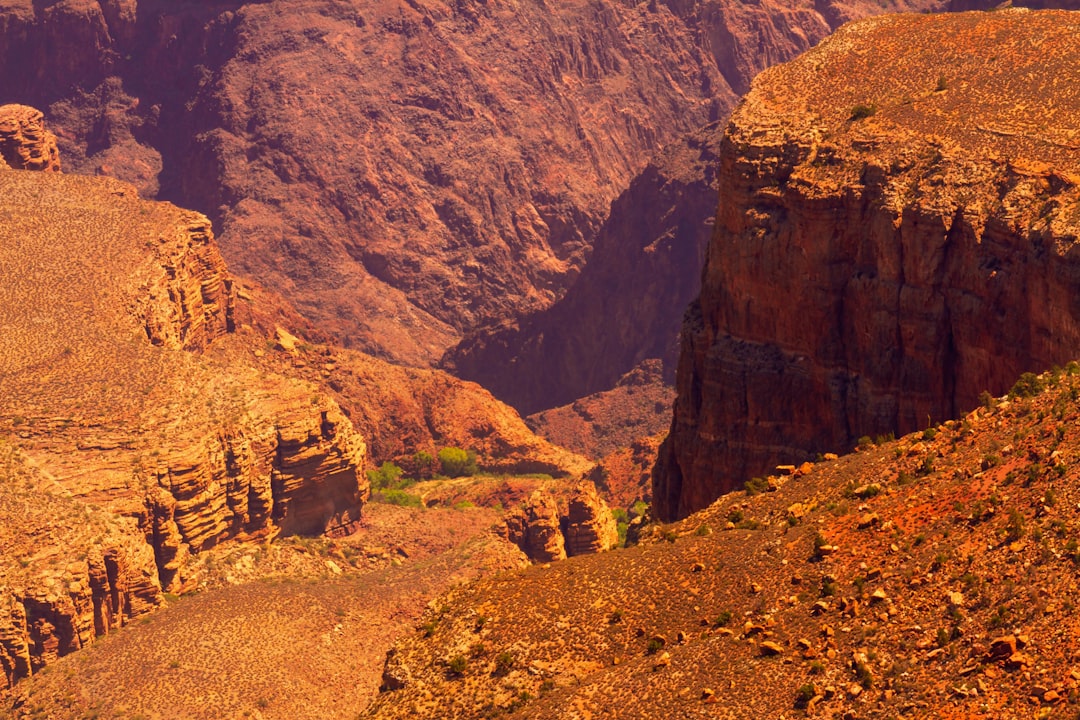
896	236
931	577
625	476
639	405
231	651
400	411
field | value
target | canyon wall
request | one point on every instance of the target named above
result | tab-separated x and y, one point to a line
896	234
450	168
626	305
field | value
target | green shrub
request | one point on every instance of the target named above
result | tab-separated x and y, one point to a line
1028	385
398	497
457	665
804	695
504	662
385	477
456	462
862	110
1014	528
423	465
756	486
926	466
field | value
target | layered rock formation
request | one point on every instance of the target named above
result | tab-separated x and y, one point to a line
534	527
896	235
190	302
69	573
545	533
25	144
103	296
590	526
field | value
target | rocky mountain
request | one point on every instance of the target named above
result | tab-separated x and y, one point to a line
896	236
931	577
451	164
449	168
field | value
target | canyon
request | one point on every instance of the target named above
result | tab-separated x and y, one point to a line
451	167
895	238
525	195
155	410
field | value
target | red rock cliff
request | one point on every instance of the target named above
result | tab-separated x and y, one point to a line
896	234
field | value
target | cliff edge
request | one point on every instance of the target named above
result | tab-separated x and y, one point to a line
896	234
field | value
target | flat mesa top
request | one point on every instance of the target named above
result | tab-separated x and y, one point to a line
1003	83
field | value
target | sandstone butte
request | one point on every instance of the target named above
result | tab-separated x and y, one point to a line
896	235
451	166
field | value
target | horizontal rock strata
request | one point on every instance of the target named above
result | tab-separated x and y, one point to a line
896	234
25	144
